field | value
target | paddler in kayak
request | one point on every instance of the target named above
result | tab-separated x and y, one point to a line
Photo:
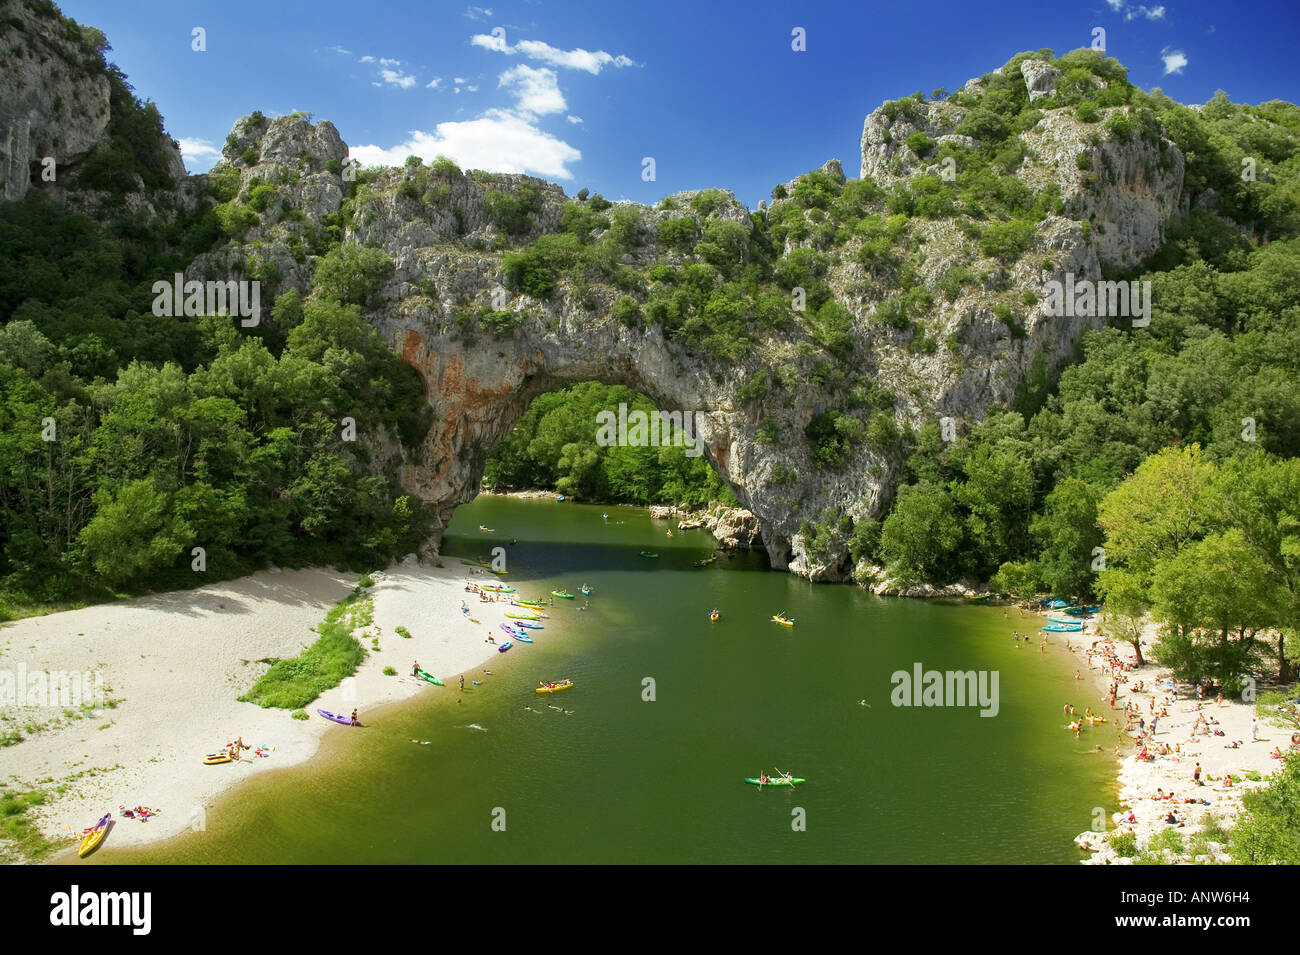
764	777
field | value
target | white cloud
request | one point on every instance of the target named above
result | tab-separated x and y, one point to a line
198	153
574	119
1151	13
387	62
577	59
338	49
1116	5
398	79
458	80
498	141
478	13
433	83
536	90
366	59
1175	60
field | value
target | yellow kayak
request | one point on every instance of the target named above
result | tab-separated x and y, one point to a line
783	621
555	687
212	759
96	835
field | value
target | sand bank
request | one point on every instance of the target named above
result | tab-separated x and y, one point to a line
1143	781
174	665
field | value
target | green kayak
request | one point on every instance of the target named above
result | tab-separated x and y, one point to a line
562	593
776	781
429	678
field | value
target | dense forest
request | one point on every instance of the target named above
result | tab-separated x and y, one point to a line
127	439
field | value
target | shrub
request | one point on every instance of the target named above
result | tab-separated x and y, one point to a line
1007	241
920	144
678	233
512	213
351	274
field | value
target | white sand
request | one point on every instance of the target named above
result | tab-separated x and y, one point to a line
178	661
1140	779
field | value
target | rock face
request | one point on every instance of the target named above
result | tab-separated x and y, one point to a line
51	104
439	230
447	290
1040	78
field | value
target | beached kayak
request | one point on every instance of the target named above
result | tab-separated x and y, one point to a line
1064	628
528	603
555	687
776	781
504	647
429	678
496	589
346	721
1064	620
516	615
214	759
522	637
95	836
562	593
529	625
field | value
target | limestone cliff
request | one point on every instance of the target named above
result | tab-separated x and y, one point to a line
447	249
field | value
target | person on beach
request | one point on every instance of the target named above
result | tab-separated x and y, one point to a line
355	721
415	668
462	682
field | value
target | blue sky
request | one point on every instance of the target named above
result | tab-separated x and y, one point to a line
580	92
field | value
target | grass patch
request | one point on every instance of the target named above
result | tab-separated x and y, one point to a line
389	671
292	684
403	632
18	829
300	715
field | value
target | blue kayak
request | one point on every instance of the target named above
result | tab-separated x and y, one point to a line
1064	627
345	720
504	647
529	626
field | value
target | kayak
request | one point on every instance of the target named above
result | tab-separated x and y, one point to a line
529	625
713	615
1058	604
562	593
498	589
214	759
1064	627
504	647
429	678
586	591
776	781
783	621
646	553
522	637
523	616
528	603
95	836
555	687
1064	620
346	721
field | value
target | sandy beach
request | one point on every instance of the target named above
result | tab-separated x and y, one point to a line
174	665
1144	782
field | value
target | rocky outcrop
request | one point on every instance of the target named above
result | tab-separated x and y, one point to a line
438	228
1040	78
53	101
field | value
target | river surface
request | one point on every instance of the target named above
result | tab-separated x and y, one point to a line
620	778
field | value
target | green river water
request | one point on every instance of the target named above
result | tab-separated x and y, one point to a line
624	780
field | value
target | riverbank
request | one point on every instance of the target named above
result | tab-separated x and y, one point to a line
1201	811
172	665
